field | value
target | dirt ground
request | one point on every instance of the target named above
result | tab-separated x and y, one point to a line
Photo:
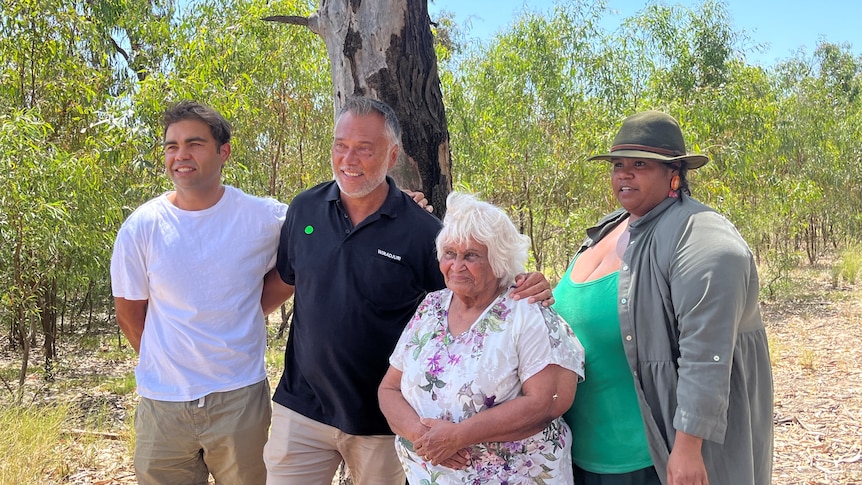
816	346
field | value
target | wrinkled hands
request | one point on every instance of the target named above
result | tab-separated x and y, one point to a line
535	287
438	445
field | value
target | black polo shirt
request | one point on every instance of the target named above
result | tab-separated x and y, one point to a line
356	289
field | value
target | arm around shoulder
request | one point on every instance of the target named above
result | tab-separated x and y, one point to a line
535	287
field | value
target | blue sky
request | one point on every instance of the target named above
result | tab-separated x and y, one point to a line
785	25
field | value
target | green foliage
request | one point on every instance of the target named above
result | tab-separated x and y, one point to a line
555	88
34	219
274	362
60	133
688	50
848	266
270	81
776	270
817	132
82	86
525	109
518	117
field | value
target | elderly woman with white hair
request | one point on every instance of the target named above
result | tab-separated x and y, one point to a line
478	381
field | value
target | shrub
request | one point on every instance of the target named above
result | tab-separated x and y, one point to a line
848	265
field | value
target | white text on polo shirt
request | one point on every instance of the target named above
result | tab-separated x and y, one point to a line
389	255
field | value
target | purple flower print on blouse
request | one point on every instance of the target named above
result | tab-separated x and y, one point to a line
434	367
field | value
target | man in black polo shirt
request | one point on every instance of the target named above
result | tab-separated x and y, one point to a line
360	256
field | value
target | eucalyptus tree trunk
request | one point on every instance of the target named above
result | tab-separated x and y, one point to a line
384	49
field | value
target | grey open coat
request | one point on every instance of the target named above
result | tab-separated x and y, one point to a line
694	338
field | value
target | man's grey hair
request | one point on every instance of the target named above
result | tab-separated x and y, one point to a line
469	218
362	105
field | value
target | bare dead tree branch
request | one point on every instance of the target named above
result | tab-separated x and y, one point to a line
311	22
98	434
288	19
120	50
140	73
8	386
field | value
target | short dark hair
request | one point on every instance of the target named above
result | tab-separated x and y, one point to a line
362	105
192	110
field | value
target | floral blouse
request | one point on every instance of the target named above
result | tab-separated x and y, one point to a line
451	377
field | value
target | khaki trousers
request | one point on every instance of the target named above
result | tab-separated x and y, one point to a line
302	451
222	434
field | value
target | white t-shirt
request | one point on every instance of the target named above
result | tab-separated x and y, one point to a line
202	274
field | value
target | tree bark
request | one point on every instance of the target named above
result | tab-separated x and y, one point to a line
384	49
48	319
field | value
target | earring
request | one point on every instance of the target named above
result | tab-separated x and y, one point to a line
674	186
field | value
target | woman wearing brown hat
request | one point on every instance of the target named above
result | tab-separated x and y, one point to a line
663	294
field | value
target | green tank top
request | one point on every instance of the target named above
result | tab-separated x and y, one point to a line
607	429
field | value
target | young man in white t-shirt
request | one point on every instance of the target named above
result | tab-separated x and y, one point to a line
187	274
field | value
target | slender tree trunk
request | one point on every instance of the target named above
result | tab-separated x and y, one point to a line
384	49
19	313
25	357
285	321
48	319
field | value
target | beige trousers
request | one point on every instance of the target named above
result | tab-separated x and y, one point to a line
303	451
222	434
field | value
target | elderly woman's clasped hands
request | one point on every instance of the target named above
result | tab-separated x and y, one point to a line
439	444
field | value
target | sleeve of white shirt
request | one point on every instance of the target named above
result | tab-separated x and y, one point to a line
543	338
128	266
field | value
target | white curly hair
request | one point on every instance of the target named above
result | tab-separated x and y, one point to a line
470	218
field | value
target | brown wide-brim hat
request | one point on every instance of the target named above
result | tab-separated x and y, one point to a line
652	135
